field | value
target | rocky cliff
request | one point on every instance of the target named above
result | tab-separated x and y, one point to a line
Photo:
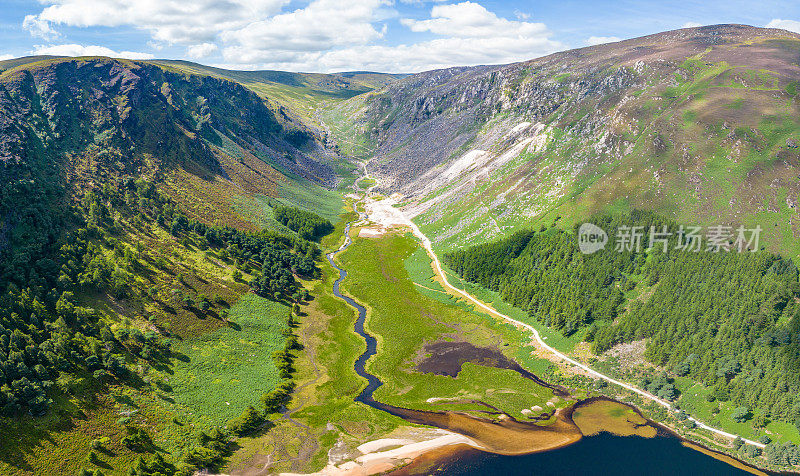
700	124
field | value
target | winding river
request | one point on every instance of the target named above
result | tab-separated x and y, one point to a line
595	455
374	382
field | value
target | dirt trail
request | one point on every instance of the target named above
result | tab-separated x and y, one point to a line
388	216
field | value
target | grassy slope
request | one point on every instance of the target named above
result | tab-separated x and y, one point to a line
255	176
220	368
207	390
246	200
192	389
723	128
301	93
230	368
229	194
340	118
297	91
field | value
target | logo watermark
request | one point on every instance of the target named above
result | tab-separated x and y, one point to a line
714	239
591	238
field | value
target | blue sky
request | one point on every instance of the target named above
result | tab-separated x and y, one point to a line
338	35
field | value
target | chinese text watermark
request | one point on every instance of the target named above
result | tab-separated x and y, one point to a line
715	239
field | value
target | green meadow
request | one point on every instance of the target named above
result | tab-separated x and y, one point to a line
322	411
228	369
404	318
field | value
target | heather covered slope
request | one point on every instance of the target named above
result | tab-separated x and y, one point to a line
698	124
306	98
141	298
210	143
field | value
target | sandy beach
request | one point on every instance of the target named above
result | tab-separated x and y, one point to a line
385	454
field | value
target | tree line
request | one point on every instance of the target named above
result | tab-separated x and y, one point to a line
307	225
45	330
729	320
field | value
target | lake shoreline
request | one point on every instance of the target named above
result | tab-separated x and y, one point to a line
502	436
415	458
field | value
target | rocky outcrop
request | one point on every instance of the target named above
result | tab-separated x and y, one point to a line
124	111
699	123
428	119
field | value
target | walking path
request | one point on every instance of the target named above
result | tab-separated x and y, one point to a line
384	211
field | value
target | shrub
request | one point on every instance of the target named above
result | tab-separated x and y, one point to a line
203	303
248	421
137	439
740	414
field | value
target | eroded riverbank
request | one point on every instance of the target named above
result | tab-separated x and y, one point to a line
502	436
505	435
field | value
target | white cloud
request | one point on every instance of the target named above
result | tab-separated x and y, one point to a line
169	21
472	20
691	24
202	50
39	28
599	40
421	2
91	50
321	35
471	35
790	25
6	57
322	25
521	15
434	54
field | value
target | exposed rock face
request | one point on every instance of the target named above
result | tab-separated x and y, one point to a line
683	122
122	111
423	120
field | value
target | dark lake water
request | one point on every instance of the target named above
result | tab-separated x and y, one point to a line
603	454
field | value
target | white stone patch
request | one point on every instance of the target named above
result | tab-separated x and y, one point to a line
520	127
464	163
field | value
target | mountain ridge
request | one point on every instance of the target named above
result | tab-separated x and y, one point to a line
641	123
143	203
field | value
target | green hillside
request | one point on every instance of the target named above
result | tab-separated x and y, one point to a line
301	93
699	125
149	297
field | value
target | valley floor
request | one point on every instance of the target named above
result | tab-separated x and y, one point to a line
324	426
412	306
444	346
